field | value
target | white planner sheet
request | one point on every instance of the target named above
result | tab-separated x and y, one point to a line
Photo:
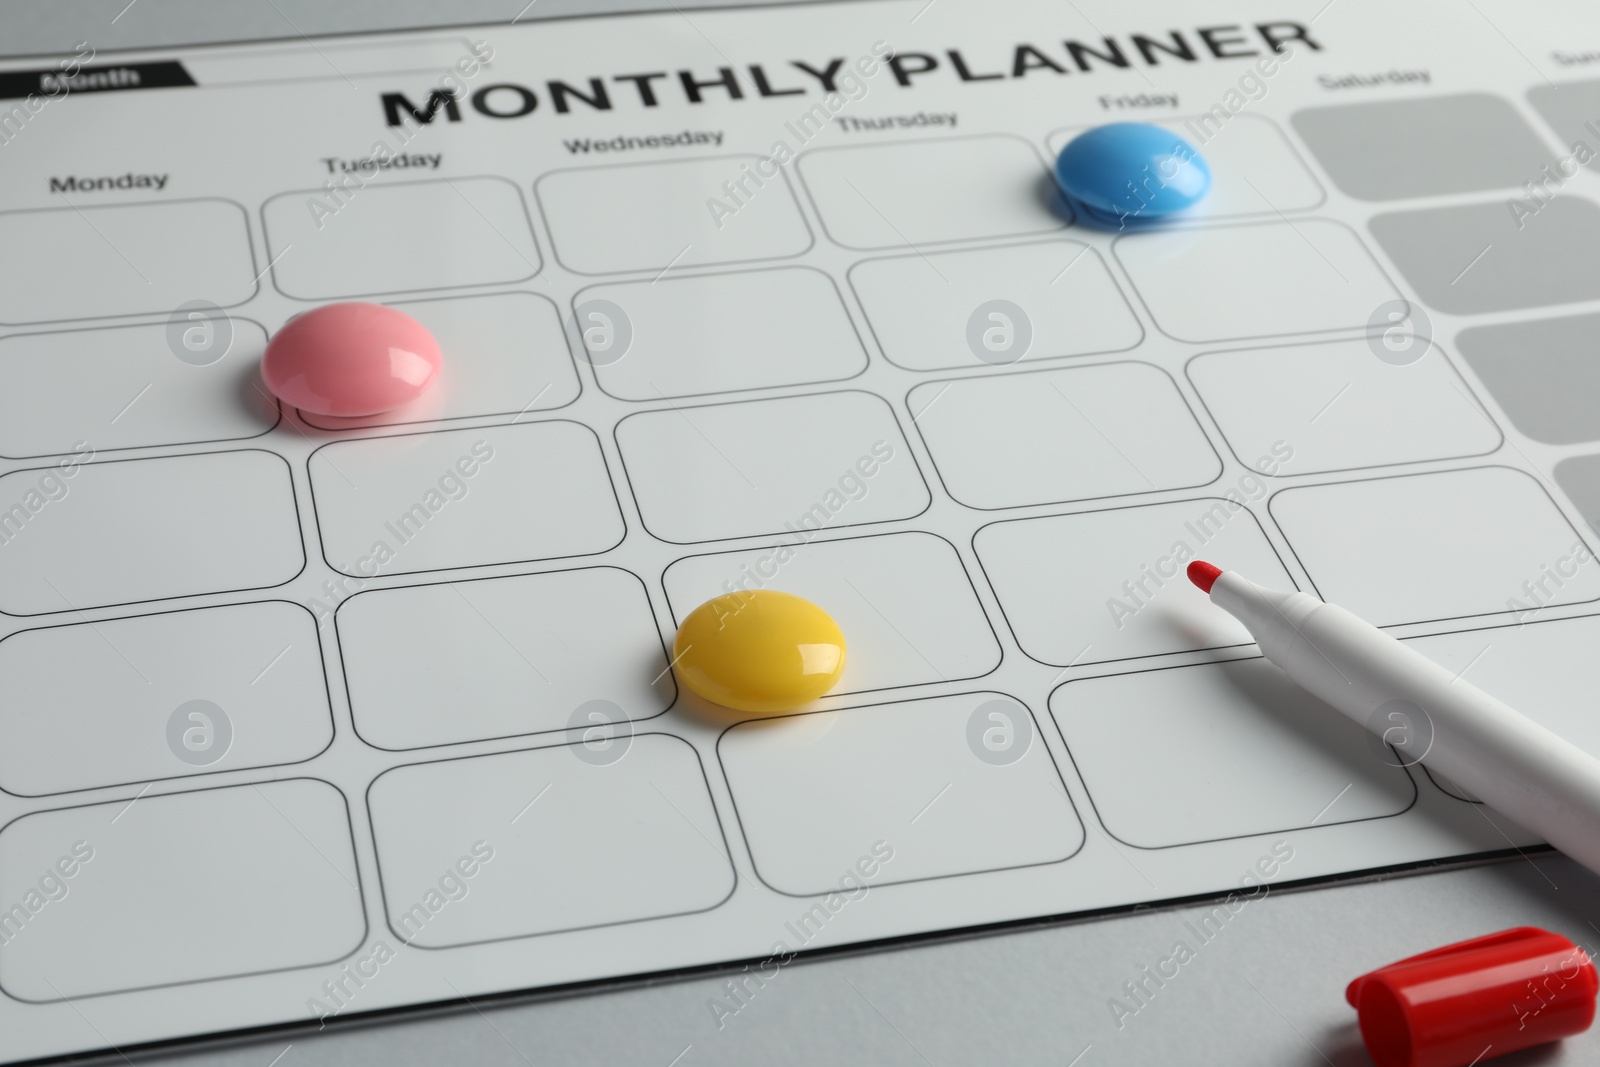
303	718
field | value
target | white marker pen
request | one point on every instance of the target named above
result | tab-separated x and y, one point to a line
1513	764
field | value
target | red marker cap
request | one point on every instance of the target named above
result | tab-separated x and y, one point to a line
1475	999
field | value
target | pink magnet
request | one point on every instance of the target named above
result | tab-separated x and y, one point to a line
350	359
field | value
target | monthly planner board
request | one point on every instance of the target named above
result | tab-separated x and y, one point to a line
304	718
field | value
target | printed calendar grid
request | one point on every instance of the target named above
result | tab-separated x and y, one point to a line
893	382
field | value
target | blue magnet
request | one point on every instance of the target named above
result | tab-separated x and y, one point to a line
1126	173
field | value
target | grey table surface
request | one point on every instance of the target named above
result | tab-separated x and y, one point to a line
1267	990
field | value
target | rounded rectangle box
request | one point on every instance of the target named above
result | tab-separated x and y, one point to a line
1259	279
396	237
106	260
1542	374
1448	544
1254	168
1393	149
1182	755
766	467
978	307
161	696
489	848
907	606
186	381
409	503
1570	108
1100	586
1340	405
1579	478
659	215
87	533
686	336
504	354
176	888
1081	433
899	194
1467	259
499	657
817	792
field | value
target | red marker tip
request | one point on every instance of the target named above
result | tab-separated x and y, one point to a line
1204	574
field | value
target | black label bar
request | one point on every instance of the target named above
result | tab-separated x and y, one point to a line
113	77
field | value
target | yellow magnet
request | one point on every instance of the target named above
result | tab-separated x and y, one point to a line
760	650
